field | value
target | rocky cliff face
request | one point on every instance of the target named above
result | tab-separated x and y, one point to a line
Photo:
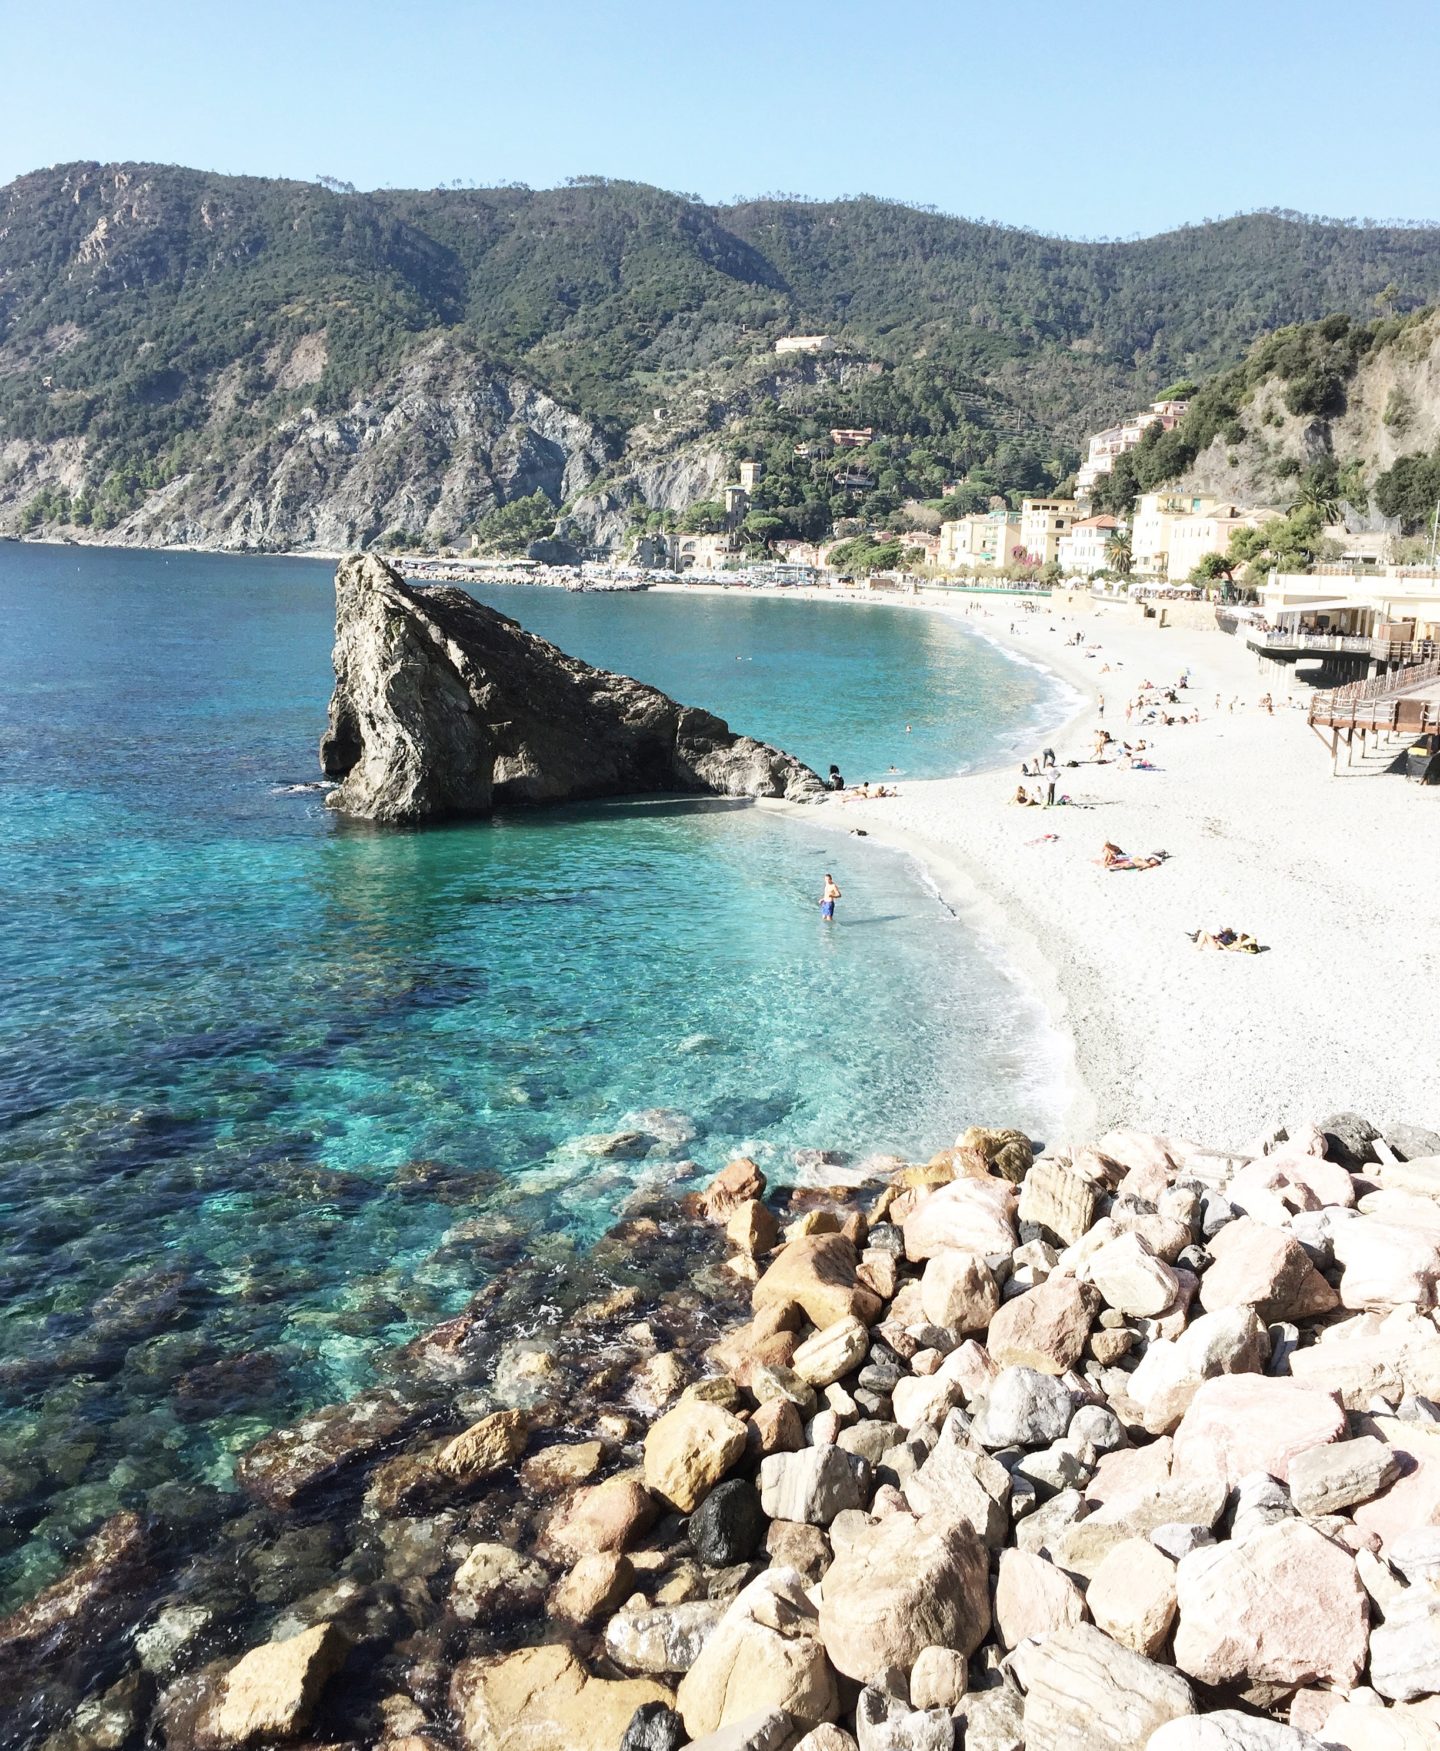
445	708
439	443
1391	409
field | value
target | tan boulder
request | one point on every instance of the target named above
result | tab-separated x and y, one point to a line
1387	1264
938	1679
1131	1278
543	1699
819	1274
901	1585
1046	1328
1282	1607
1130	1470
1007	1152
736	1183
1033	1597
1413	1500
1356	1726
959	1290
750	1347
752	1227
1342	1474
831	1354
657	1380
272	1691
814	1222
495	1441
1239	1423
1132	1596
592	1589
561	1467
493	1579
609	1516
1059	1199
1264	1268
1135	1512
765	1652
1083	1689
776	1427
689	1450
1140	1152
1171	1372
968	1215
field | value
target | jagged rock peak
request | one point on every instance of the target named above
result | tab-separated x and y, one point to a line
443	708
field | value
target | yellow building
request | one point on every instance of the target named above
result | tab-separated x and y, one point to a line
980	542
1172	532
1042	523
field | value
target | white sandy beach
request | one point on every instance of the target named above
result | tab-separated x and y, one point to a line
1339	877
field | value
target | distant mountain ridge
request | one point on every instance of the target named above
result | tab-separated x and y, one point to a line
237	361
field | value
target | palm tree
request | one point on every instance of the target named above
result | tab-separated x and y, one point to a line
1118	553
1314	497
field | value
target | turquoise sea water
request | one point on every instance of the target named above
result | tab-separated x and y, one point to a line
258	1068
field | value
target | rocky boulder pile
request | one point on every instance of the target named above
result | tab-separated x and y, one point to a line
1133	1446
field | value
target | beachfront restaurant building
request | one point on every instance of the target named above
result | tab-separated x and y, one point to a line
1357	623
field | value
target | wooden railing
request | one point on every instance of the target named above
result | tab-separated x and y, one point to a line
1382	702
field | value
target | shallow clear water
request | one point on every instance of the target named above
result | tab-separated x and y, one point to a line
259	1069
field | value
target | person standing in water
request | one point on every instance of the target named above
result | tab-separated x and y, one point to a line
829	894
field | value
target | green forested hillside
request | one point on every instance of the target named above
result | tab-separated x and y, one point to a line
159	323
1335	420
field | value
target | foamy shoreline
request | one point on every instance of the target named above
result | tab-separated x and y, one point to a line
1335	875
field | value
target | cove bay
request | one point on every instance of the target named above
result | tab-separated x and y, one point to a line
254	1060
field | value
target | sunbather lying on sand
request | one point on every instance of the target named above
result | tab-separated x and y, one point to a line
1112	857
1234	941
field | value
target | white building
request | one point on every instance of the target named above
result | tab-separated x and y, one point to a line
805	343
1084	549
1116	440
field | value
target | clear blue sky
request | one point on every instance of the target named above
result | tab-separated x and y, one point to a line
1100	120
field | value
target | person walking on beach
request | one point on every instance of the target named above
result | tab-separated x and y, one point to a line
829	894
1050	773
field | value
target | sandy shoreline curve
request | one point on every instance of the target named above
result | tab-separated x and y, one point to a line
1335	875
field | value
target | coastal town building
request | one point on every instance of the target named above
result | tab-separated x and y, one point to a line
1042	523
1172	532
1116	440
851	437
700	552
921	547
983	541
1084	548
1394	604
750	473
805	343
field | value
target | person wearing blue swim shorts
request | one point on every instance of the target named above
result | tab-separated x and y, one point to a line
829	894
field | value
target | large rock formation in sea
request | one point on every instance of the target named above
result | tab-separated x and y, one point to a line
443	707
